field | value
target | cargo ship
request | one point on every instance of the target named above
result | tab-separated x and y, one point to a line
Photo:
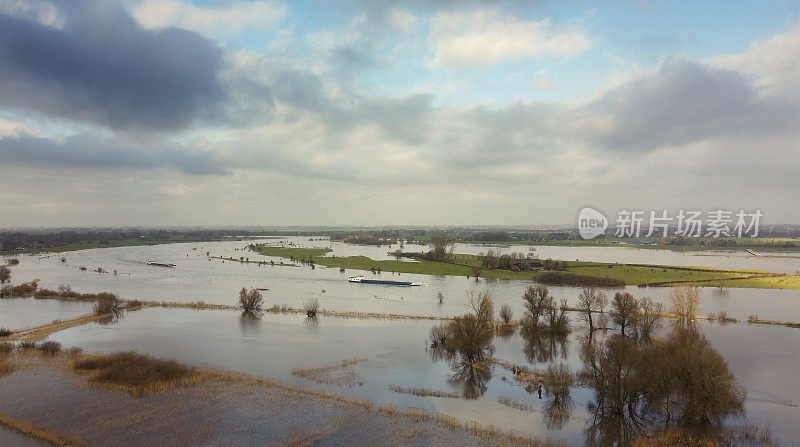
362	280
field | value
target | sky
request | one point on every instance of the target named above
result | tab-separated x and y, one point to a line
408	112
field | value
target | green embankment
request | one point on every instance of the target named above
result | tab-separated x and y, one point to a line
461	265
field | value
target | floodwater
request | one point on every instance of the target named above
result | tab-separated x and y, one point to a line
763	358
22	313
196	278
394	352
11	438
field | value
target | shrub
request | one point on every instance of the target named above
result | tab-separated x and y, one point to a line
133	304
50	348
4	332
26	289
311	307
251	301
6	290
136	373
107	303
25	345
6	347
506	314
12	261
5	274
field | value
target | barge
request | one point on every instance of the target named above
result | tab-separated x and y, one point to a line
160	264
362	280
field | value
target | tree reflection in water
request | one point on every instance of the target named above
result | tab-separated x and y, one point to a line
466	343
681	380
543	346
558	408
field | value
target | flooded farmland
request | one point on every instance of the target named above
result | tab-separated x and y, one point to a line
392	358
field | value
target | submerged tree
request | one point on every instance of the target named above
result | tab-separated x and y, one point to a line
467	343
250	302
648	319
685	300
591	300
624	310
542	313
680	379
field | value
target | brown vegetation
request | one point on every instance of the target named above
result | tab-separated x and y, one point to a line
341	373
423	392
251	301
685	301
46	435
135	373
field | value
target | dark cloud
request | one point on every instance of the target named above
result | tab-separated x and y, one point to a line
87	151
102	67
686	102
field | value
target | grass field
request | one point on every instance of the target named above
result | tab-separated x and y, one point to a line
460	265
775	282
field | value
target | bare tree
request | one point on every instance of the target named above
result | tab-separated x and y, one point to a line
685	301
482	305
648	319
624	310
537	299
591	300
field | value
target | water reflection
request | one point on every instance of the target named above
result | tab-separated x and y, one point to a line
249	323
472	376
544	347
680	380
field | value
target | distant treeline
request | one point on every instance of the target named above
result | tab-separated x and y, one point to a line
365	239
517	262
37	240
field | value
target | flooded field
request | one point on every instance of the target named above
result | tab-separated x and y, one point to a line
390	361
396	354
198	278
21	313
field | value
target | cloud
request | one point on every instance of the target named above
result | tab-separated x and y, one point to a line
477	39
223	18
776	63
102	67
682	102
88	151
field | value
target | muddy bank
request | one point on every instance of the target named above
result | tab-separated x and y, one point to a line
223	410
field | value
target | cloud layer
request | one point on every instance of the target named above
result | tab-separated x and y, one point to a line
100	66
91	89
